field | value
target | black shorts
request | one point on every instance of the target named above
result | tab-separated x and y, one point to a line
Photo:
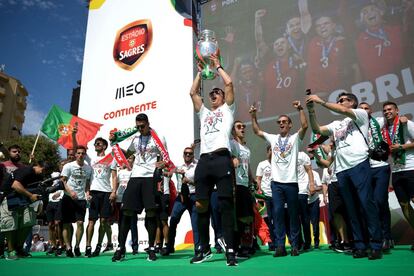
139	194
54	211
73	210
403	184
244	202
214	168
100	206
336	203
163	206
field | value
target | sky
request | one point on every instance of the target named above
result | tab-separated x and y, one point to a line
42	44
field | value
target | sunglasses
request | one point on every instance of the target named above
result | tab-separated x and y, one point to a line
282	121
141	126
188	153
215	91
341	100
98	144
240	126
81	153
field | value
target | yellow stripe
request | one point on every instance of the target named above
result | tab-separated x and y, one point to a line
95	4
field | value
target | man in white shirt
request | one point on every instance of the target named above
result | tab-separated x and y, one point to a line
285	149
400	137
215	164
76	176
185	199
103	196
352	167
141	188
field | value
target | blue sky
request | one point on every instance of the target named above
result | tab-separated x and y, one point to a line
42	45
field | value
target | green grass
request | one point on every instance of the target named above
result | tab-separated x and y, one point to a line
317	262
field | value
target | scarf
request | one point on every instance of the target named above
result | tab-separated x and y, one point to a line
396	137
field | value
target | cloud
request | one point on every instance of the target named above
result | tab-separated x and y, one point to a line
28	4
33	119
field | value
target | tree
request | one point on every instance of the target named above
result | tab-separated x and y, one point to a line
46	150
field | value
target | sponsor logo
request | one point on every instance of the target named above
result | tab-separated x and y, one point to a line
132	43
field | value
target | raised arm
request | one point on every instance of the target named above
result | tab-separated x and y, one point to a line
261	46
194	93
228	83
302	117
323	130
332	106
255	124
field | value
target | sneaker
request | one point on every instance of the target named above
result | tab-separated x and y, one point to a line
151	255
109	247
294	252
97	251
51	251
12	256
157	248
69	253
271	247
243	254
59	251
88	252
386	247
231	258
222	244
375	254
77	251
119	255
135	252
280	252
201	256
23	254
359	253
164	251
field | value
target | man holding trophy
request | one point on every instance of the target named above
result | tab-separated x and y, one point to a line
215	164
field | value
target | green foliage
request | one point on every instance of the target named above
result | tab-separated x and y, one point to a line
46	150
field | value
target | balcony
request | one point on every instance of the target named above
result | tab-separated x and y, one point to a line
2	91
21	103
19	117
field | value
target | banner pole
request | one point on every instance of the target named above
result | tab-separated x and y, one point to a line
34	147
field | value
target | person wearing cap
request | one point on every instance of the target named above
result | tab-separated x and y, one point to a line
215	165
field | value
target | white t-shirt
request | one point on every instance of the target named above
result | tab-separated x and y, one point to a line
215	130
59	193
264	169
189	173
408	139
317	180
284	165
242	153
101	177
77	176
351	148
303	178
123	177
146	153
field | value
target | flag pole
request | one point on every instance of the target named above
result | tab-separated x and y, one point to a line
34	147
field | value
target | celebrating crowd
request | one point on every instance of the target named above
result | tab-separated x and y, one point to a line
220	185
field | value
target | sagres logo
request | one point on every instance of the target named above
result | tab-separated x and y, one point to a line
132	43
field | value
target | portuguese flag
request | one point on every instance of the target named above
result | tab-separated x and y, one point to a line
59	124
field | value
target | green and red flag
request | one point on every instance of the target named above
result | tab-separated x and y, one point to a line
59	124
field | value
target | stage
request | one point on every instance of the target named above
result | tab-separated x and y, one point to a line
316	262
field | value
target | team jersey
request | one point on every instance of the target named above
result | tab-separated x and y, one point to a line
350	146
146	152
123	177
77	177
303	178
284	156
189	173
242	153
264	169
101	177
215	131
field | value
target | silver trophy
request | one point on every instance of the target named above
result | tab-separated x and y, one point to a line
206	46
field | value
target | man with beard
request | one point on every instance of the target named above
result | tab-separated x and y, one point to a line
285	149
6	168
17	217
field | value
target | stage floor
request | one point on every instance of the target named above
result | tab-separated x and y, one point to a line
316	262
